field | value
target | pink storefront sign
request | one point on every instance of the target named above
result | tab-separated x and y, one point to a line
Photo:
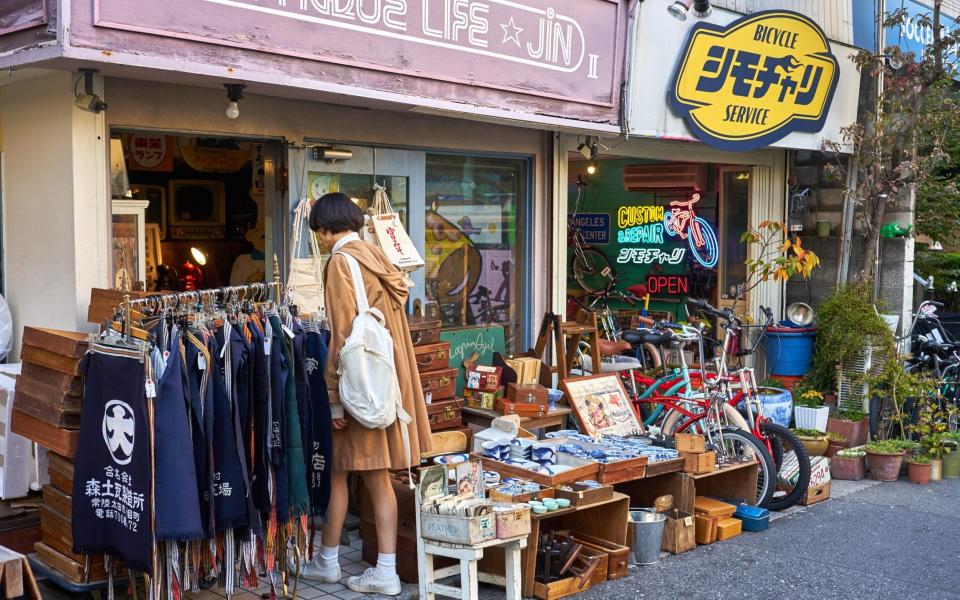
567	50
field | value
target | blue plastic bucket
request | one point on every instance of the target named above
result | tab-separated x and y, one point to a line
789	350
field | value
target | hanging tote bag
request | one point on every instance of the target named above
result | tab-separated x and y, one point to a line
305	279
388	233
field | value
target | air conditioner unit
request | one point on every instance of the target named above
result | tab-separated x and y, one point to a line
665	177
853	393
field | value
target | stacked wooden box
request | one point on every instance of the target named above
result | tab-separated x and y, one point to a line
714	520
46	409
437	378
693	451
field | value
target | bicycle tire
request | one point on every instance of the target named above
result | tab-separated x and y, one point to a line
766	474
710	253
588	268
787	441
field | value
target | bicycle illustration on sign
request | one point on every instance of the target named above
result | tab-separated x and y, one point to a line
683	221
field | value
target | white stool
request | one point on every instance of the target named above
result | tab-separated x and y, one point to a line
469	577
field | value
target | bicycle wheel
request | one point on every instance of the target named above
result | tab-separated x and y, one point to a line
592	270
793	457
709	253
740	443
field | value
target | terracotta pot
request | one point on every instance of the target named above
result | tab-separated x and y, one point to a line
854	431
936	469
919	473
834	447
816	446
885	467
848	469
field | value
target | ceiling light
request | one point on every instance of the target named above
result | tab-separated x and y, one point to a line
592	168
678	10
701	9
586	148
234	94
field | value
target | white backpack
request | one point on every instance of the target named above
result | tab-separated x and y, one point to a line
369	389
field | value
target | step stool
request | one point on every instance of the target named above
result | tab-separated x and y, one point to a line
469	577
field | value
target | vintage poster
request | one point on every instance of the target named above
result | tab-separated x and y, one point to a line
601	405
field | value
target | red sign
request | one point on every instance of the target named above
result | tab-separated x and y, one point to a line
659	285
150	152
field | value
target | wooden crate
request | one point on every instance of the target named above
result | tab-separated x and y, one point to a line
599	574
67	365
35	387
69	568
560	588
728	528
582	469
513	523
47	411
817	493
586	497
619	555
61	441
57	500
690	442
706	529
458	530
699	463
544	492
56	531
65	343
71	385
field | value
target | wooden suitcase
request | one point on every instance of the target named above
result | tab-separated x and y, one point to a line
424	330
432	357
439	385
445	414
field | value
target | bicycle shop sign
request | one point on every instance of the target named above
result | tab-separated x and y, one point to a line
554	49
756	80
654	224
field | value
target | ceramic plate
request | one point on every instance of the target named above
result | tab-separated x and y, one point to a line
451	459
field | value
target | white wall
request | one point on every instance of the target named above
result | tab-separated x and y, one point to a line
834	16
55	203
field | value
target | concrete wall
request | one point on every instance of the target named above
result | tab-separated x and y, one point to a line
55	203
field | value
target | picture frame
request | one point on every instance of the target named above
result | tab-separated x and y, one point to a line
432	482
470	478
601	405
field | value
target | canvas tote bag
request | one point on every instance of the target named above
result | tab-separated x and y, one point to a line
386	231
305	279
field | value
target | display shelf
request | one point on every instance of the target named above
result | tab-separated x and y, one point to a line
553	420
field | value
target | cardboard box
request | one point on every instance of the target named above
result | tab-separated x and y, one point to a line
529	393
483	379
699	463
690	442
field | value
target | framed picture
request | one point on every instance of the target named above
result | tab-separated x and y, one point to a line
601	405
470	478
433	482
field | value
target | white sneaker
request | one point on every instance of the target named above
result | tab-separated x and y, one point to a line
315	572
371	583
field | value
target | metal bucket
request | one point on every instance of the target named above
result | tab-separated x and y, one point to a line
647	535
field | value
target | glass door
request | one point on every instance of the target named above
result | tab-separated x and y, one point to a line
734	216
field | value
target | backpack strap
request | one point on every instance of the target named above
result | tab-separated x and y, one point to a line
358	289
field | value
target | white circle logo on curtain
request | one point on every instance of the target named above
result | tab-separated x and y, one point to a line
118	426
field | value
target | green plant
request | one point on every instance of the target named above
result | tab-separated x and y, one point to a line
849	414
885	447
775	254
809	399
906	445
812	433
936	445
846	323
930	425
919	459
836	437
901	385
851	453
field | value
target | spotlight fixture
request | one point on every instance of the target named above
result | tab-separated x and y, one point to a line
680	8
592	168
234	94
89	101
329	154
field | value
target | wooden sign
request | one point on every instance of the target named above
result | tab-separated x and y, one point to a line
465	341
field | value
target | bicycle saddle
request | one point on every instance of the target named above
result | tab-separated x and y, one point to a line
655	339
632	337
611	348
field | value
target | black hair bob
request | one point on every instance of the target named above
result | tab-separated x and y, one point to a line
336	213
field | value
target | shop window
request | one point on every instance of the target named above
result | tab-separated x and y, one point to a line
473	240
734	219
359	186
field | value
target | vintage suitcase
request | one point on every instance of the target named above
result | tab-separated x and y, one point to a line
439	385
432	357
445	414
424	330
523	409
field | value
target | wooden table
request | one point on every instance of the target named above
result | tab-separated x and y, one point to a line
736	482
554	419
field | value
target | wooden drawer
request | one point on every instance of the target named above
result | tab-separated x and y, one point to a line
433	357
439	385
445	414
424	330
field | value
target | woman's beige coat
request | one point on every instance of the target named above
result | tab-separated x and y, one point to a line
356	448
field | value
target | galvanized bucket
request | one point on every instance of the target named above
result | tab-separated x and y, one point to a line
648	534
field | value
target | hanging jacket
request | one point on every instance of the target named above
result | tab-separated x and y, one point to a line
296	394
229	487
201	411
279	373
321	437
260	420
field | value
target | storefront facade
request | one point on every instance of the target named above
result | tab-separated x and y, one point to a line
682	149
451	107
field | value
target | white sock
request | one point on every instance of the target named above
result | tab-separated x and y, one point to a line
328	556
386	565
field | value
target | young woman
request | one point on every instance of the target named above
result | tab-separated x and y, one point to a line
372	452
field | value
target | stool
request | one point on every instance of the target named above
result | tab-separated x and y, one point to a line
469	577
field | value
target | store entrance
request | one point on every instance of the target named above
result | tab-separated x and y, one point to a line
205	205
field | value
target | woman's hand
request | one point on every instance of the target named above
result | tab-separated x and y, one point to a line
339	424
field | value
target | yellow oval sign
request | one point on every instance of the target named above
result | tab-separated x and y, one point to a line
756	80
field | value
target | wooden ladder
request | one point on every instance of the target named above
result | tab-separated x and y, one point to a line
567	336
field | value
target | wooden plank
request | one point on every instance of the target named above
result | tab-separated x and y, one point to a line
46	411
662	467
38	356
69	384
57	500
60	470
61	441
66	343
103	303
11	566
69	568
37	388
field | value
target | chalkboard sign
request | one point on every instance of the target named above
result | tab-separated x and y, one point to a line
465	341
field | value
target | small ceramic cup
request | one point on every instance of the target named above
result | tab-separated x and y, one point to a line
491	449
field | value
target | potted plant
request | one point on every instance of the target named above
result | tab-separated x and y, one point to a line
918	469
931	426
885	458
814	441
835	443
851	424
951	459
809	411
849	464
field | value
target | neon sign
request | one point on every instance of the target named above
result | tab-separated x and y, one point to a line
651	256
684	222
668	284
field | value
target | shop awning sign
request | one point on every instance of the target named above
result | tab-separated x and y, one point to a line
756	80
